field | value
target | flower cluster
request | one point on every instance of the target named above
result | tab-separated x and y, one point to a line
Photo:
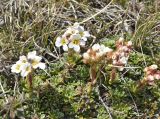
151	74
73	38
95	53
25	65
121	55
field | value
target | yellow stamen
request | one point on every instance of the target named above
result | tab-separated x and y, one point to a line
63	41
34	62
24	61
76	41
18	67
81	33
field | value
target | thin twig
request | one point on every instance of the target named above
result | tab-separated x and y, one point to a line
107	108
4	92
125	67
131	96
102	10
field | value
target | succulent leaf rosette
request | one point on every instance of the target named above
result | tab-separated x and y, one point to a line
151	74
121	55
95	53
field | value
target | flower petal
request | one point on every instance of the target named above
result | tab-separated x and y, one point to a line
95	47
103	49
26	69
24	73
31	55
58	42
16	68
75	37
154	66
35	64
76	24
82	43
86	34
129	43
23	59
38	58
77	48
35	61
42	65
123	60
80	29
84	38
86	56
65	47
71	45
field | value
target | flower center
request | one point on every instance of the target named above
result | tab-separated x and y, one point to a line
28	69
76	42
18	67
63	41
34	62
81	33
24	61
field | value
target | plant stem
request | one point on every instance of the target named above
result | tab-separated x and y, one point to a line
93	74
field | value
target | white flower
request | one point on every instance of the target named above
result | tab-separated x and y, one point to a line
121	54
150	78
154	66
146	69
74	37
99	55
124	48
157	76
76	24
86	56
16	68
23	59
69	32
80	30
62	41
95	47
73	30
26	64
104	49
121	39
114	62
76	42
129	43
31	55
100	49
95	53
35	60
36	63
123	60
26	69
84	35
